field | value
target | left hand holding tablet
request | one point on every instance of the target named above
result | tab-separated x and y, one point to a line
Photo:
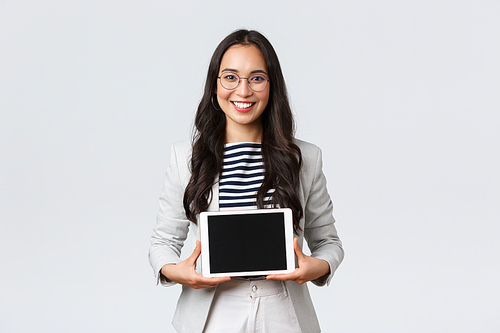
309	269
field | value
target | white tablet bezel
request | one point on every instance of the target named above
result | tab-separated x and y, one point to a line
289	252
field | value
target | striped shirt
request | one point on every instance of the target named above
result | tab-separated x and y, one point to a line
242	175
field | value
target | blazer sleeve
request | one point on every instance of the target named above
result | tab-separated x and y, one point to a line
172	226
319	228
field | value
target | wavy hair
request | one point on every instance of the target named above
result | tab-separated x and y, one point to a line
281	157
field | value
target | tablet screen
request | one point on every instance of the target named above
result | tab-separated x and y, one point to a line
251	242
247	243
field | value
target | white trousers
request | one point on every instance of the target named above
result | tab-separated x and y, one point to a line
251	306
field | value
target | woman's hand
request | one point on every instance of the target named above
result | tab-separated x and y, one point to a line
185	274
309	269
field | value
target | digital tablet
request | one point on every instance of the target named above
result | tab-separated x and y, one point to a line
247	243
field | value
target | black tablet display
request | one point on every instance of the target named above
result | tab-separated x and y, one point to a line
247	243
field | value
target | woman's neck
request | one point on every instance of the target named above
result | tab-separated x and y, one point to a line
243	134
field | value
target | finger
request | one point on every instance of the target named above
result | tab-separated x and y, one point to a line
196	252
204	282
281	277
219	280
284	277
296	277
298	251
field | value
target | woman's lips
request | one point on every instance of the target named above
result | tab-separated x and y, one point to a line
243	106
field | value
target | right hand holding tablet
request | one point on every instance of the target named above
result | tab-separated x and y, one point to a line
184	272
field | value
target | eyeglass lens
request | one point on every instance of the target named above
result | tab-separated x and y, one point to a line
256	82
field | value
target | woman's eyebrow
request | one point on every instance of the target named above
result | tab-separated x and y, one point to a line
258	71
230	70
237	71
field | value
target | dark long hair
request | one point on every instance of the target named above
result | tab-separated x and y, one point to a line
281	156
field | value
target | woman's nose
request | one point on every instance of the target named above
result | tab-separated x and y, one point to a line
243	89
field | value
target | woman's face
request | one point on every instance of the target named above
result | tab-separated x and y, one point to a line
242	106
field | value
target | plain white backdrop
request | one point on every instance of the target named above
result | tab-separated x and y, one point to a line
402	96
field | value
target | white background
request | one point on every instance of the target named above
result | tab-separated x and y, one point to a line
402	96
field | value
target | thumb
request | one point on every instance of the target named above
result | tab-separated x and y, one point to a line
196	252
298	251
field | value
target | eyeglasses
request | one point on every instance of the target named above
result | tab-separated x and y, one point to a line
256	82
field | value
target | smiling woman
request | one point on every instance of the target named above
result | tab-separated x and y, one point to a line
242	105
245	143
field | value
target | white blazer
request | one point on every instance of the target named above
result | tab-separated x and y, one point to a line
172	229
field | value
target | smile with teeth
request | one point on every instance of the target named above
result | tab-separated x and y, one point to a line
242	105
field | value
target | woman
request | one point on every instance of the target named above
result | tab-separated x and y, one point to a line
245	108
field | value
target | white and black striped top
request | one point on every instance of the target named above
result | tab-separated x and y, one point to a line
242	175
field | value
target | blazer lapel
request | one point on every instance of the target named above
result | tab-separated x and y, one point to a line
214	202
